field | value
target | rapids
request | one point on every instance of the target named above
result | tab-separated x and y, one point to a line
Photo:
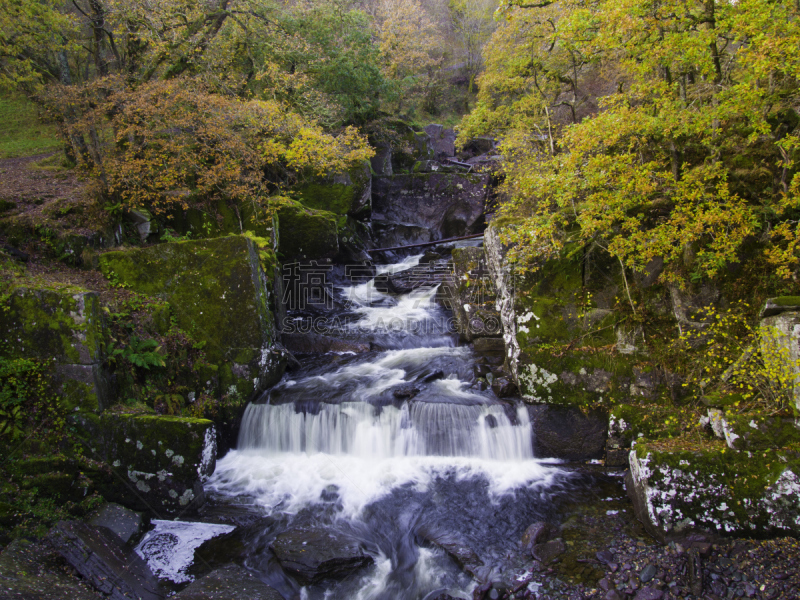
387	446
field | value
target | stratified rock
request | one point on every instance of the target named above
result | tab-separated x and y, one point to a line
32	571
101	558
715	490
219	293
312	555
567	432
63	328
125	523
446	204
470	293
161	462
776	306
548	310
456	547
231	582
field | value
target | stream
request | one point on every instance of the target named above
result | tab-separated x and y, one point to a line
394	449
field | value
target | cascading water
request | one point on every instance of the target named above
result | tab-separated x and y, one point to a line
391	443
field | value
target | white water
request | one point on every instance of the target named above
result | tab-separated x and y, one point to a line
340	437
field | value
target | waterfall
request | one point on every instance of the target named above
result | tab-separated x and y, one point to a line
370	432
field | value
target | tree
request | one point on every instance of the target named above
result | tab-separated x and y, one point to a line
693	155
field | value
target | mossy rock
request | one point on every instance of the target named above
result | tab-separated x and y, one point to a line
64	325
757	432
218	293
64	329
628	423
715	489
560	326
223	218
348	193
160	461
307	234
471	295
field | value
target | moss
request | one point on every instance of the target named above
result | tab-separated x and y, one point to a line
632	422
153	443
757	432
62	325
787	301
217	293
307	234
342	194
78	395
717	488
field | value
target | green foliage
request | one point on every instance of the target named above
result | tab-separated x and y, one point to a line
23	386
749	365
692	151
138	352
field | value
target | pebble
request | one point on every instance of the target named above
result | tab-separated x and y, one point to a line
647	573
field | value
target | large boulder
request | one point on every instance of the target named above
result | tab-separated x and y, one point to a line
446	204
64	328
307	234
443	141
161	462
102	559
715	489
315	554
470	293
348	193
218	293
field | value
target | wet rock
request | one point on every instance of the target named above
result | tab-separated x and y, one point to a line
503	387
537	533
481	370
312	555
405	392
315	343
605	556
125	523
445	204
612	595
777	306
470	293
454	545
392	235
549	551
231	582
567	432
436	375
647	573
101	558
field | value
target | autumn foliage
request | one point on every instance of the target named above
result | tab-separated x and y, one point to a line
652	129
